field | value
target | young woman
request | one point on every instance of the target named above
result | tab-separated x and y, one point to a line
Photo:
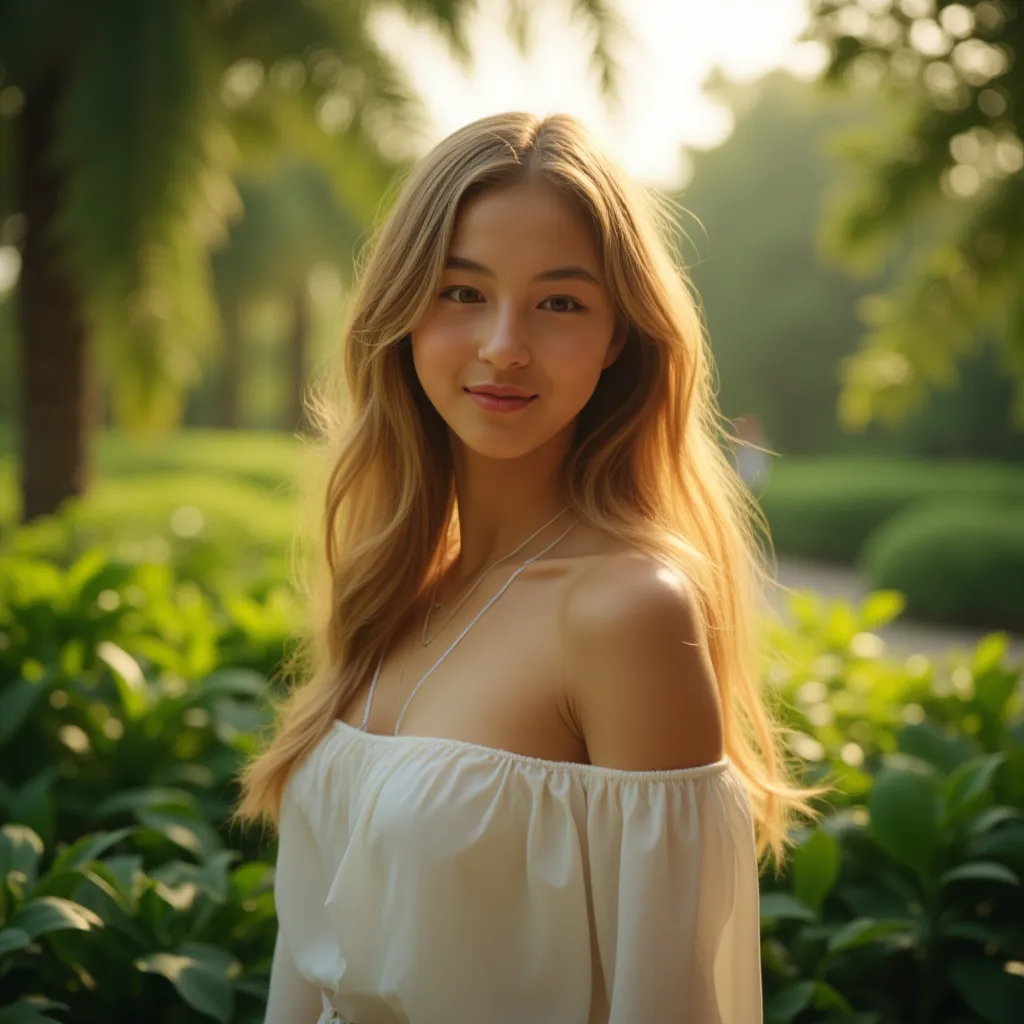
532	773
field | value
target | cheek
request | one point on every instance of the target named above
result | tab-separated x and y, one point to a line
572	360
438	349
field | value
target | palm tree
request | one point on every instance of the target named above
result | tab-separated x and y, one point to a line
132	117
293	221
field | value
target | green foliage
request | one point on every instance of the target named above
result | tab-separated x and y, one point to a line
960	563
950	72
129	692
905	902
826	509
127	699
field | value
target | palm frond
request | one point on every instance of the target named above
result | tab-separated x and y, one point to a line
146	192
608	31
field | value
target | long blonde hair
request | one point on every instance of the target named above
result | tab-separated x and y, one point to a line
646	463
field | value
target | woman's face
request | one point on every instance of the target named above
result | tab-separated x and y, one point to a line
522	303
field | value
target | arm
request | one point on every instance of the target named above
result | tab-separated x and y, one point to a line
673	867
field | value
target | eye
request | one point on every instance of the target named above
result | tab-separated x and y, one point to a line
564	304
457	293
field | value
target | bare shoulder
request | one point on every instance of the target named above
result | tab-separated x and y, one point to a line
642	686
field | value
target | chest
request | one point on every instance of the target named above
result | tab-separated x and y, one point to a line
504	684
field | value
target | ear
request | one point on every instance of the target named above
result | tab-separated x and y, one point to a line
617	344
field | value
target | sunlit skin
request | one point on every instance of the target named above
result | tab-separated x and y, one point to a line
523	302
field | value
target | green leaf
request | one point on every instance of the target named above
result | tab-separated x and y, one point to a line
785	1005
192	834
13	939
973	930
815	868
1006	843
128	678
51	913
210	878
828	998
990	652
880	607
863	930
92	574
927	741
142	799
87	848
33	804
969	786
16	704
991	817
31	1010
903	818
202	976
20	850
995	994
782	906
230	682
982	871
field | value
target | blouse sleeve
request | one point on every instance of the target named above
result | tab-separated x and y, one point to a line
293	998
675	888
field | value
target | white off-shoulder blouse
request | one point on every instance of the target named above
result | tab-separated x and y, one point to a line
435	881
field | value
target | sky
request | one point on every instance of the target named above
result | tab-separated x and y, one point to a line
674	45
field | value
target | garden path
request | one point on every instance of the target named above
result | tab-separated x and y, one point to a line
903	636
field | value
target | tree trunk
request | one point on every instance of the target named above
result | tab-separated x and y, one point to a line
56	393
231	363
298	347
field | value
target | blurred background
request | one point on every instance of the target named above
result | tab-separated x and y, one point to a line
184	188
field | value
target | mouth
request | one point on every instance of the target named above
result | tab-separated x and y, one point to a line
499	403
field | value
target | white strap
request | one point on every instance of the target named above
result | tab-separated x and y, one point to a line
508	583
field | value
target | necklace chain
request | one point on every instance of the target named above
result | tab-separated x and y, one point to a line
451	647
424	642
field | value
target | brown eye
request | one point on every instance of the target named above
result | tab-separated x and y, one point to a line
563	304
461	293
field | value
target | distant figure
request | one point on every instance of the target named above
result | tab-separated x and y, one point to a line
752	461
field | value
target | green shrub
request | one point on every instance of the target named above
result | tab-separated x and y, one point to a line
825	509
127	699
905	904
128	696
960	563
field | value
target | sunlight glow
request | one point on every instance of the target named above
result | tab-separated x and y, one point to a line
673	49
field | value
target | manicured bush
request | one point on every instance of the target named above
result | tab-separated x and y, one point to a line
825	509
961	563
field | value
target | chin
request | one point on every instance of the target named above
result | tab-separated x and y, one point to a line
504	449
506	445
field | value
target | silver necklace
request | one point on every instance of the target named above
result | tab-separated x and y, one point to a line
508	583
431	606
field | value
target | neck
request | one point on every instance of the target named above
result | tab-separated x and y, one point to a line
502	502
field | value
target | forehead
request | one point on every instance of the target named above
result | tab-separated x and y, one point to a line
532	222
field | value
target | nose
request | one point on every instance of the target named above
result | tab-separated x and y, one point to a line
503	340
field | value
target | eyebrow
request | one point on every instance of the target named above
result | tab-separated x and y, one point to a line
574	273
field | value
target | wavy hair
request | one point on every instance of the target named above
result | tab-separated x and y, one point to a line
646	464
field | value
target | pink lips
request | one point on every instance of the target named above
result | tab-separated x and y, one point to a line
496	403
